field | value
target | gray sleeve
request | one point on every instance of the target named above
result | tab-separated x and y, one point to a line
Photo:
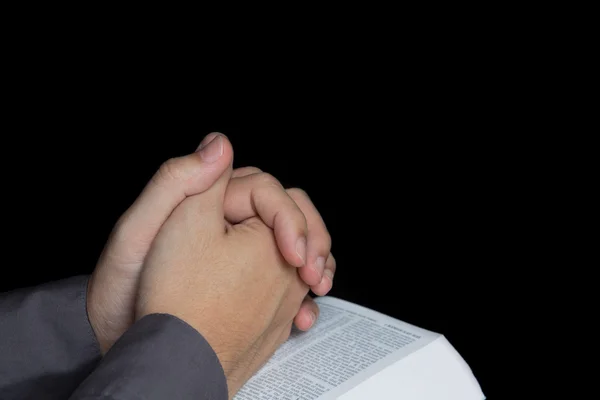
47	345
159	357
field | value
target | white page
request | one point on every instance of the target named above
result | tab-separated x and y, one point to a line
347	345
435	372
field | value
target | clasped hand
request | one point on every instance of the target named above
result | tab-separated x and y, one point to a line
230	252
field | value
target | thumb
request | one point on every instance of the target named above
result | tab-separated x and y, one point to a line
209	205
175	180
112	288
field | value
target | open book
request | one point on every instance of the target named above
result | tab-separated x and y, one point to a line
355	353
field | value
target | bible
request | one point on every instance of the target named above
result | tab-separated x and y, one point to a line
354	353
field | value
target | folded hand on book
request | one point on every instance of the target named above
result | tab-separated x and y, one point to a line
299	231
229	282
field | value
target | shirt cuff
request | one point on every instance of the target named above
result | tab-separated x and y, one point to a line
159	357
47	344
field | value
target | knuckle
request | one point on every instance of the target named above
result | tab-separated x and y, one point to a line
327	237
325	245
170	170
120	231
266	179
298	193
257	226
249	170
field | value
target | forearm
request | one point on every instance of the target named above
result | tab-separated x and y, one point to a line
159	357
47	346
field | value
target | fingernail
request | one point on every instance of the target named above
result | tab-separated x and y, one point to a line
320	266
329	274
207	139
212	150
301	248
313	318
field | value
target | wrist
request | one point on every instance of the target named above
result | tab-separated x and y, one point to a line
227	344
95	319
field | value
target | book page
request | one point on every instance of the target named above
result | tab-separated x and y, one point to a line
435	372
347	345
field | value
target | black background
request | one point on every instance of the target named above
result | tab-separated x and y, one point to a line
406	218
408	180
